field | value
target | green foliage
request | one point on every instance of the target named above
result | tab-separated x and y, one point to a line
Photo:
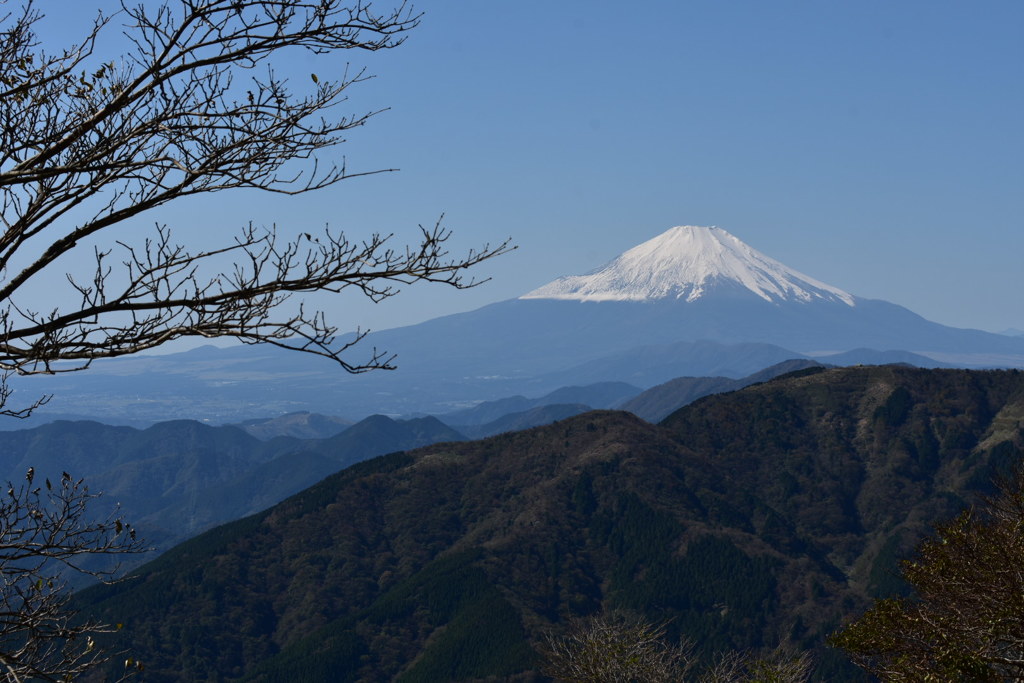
484	638
715	591
884	581
473	630
584	502
334	655
389	568
967	620
896	408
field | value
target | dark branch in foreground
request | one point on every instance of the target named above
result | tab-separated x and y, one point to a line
194	107
45	533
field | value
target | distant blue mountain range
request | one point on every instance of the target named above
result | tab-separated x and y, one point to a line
692	302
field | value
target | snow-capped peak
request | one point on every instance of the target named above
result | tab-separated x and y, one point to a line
687	262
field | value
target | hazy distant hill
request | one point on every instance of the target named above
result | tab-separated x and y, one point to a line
301	425
873	357
658	402
649	365
176	479
533	417
599	395
691	302
765	514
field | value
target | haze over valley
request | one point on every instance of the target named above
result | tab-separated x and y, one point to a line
694	301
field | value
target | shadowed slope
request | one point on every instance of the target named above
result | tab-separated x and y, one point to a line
762	515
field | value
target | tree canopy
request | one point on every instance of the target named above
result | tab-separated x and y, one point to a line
966	621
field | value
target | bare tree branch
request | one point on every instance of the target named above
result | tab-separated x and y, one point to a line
615	648
193	107
44	533
87	144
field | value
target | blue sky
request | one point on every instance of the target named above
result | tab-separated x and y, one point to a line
877	146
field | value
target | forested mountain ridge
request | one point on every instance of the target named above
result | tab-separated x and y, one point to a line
178	478
768	514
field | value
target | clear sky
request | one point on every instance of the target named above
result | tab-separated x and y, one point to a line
876	146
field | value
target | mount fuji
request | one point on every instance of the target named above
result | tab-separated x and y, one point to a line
691	301
688	263
688	284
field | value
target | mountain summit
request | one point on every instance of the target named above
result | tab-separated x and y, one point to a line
692	301
688	262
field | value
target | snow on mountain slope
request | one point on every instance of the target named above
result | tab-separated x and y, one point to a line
688	262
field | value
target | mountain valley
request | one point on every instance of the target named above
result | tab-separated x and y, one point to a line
764	515
176	479
715	442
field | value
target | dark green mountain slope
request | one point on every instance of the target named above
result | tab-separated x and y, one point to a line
764	515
